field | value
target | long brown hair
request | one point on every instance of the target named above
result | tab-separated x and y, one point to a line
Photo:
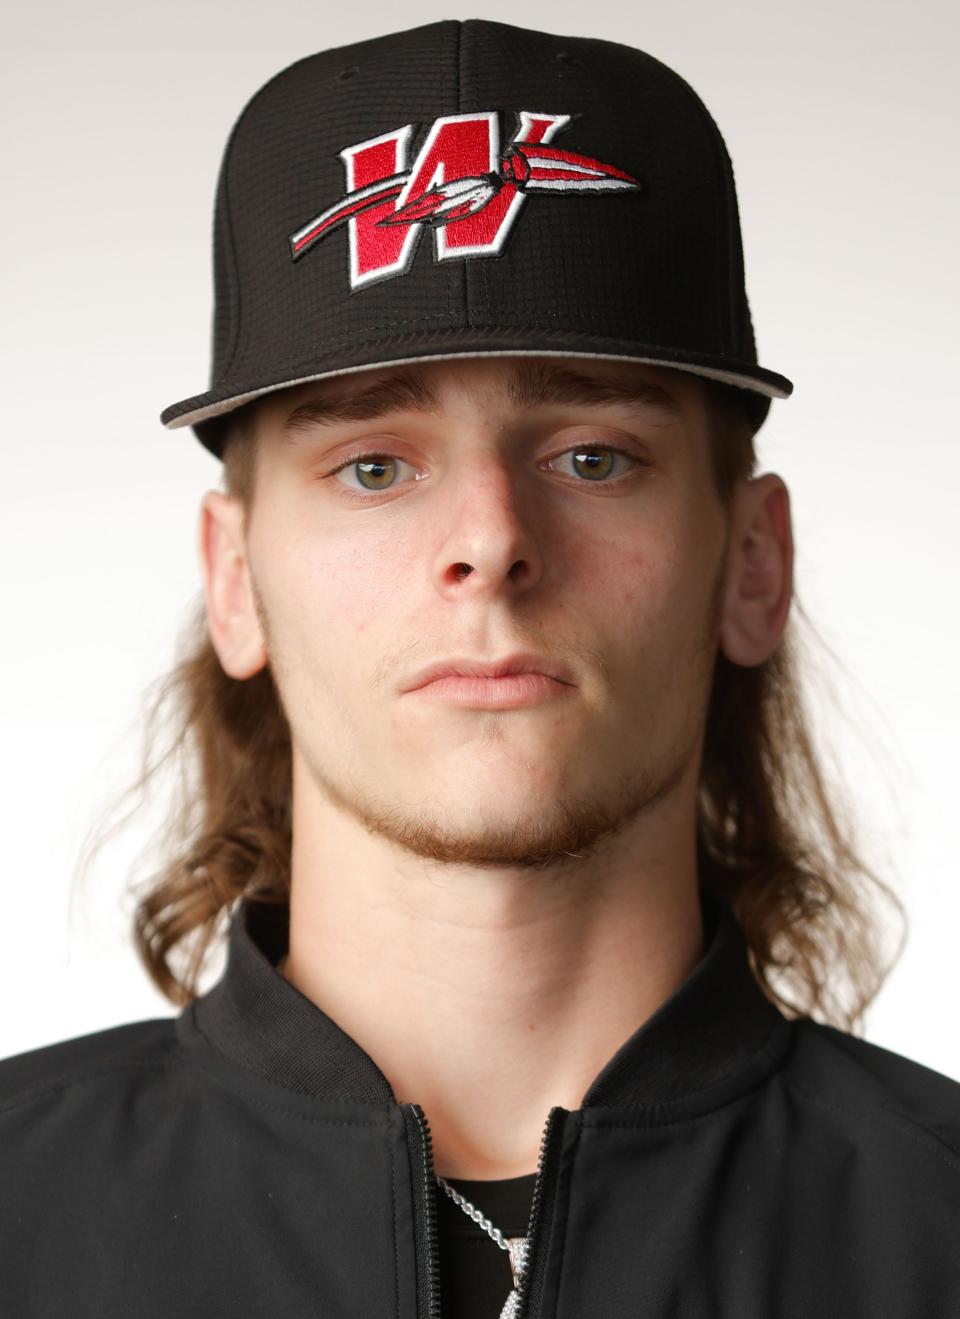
775	839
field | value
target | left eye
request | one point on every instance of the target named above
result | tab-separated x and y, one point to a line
594	461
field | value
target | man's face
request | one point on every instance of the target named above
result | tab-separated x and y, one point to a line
610	562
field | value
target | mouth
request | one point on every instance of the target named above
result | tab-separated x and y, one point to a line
508	692
521	664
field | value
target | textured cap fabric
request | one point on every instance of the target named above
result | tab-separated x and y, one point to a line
471	187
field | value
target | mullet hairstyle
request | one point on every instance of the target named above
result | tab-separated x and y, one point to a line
773	840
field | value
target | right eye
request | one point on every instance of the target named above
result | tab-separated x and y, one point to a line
372	466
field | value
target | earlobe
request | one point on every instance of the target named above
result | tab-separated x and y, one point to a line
232	619
760	572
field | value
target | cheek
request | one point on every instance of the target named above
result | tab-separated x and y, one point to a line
645	577
611	569
344	586
657	593
649	556
631	571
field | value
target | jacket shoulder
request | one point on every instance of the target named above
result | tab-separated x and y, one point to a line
835	1068
134	1045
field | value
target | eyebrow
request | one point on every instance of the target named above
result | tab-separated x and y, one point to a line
529	385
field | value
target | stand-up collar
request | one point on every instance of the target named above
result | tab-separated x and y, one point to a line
716	1026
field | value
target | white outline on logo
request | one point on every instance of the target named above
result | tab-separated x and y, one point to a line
442	251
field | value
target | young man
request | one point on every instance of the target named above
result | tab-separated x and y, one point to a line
498	764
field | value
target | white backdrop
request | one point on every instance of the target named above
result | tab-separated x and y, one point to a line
842	122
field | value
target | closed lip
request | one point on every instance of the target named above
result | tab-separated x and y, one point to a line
462	667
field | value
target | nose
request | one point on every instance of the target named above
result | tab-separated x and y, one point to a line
489	534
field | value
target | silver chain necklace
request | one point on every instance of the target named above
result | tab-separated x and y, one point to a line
515	1246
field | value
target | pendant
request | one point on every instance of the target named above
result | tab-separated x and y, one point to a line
518	1262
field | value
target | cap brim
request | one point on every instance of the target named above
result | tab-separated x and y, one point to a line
202	410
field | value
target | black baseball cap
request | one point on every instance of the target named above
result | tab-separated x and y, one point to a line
470	187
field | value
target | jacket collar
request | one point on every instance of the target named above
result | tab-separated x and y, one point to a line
717	1026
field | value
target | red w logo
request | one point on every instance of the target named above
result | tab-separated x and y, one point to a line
460	184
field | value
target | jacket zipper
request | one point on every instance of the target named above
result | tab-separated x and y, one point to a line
544	1189
425	1227
424	1216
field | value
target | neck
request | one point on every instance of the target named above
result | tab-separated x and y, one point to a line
488	998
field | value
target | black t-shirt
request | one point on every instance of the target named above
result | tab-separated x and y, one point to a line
475	1273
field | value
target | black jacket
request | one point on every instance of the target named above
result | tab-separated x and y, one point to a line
248	1158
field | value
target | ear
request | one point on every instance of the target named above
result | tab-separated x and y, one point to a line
231	607
759	574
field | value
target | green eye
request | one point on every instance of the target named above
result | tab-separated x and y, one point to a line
592	462
598	461
373	466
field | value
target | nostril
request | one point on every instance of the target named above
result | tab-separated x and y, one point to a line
348	72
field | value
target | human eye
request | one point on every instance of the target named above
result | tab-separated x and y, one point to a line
370	466
592	461
595	461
